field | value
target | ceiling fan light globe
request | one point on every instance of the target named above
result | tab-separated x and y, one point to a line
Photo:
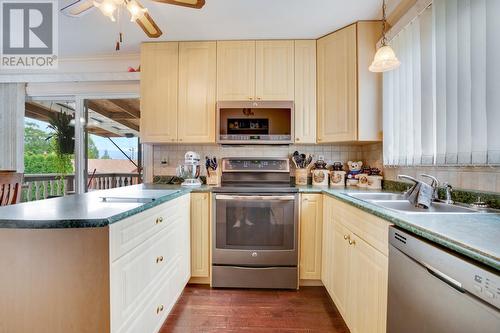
107	8
385	60
136	11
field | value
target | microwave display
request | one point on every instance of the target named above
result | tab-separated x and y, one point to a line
247	126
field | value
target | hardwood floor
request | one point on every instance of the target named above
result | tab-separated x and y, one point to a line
201	309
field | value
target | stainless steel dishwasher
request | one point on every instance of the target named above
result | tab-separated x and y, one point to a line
433	290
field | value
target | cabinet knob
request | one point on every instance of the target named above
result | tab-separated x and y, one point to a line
159	309
258	98
159	220
159	259
250	98
297	139
319	139
347	237
352	242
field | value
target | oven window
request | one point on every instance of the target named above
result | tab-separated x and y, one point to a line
255	224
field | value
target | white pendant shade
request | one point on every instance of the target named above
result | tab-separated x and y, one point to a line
384	60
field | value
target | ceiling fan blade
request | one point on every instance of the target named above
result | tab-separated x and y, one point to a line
78	8
149	26
186	3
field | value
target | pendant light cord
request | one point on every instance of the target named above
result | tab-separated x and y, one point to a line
384	38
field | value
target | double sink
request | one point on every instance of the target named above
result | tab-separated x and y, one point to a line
397	202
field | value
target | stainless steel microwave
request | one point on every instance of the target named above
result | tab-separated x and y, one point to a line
255	122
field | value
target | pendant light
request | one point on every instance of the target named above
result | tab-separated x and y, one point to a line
385	59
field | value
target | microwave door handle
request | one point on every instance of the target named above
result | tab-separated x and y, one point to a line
256	197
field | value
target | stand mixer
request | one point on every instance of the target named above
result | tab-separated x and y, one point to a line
190	170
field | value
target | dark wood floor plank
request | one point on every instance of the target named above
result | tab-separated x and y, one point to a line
201	309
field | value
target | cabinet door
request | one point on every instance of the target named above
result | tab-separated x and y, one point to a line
200	235
367	308
311	218
305	91
337	86
235	70
339	275
274	76
197	84
159	88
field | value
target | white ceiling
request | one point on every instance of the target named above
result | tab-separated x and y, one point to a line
94	34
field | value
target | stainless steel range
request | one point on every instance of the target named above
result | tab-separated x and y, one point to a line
255	225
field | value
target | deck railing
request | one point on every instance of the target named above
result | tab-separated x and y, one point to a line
43	186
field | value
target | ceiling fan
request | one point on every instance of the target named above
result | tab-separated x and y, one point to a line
138	13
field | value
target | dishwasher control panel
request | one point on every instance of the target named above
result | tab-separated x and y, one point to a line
486	287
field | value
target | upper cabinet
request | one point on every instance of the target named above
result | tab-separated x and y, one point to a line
349	96
178	83
305	91
274	70
197	85
159	88
235	70
250	70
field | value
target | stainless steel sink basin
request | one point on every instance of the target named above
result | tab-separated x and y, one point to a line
376	196
436	208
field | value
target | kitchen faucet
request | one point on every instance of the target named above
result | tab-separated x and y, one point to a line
434	184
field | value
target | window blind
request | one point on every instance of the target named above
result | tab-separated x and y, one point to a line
442	106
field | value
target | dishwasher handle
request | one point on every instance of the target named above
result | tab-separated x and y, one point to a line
443	277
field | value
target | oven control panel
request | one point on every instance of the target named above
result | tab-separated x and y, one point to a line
255	165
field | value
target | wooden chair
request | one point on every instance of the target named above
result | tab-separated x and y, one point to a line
10	188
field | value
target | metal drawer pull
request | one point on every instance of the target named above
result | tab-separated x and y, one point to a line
159	259
159	220
159	309
352	242
347	237
256	197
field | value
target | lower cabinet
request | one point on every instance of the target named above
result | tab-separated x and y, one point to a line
147	280
200	237
311	228
354	269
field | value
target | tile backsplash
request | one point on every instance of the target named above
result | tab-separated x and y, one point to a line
480	178
173	155
484	178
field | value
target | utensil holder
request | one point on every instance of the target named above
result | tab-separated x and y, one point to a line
301	176
214	177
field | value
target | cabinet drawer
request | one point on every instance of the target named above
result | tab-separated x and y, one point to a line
151	316
135	275
373	230
129	233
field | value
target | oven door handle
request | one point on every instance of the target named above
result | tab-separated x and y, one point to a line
255	197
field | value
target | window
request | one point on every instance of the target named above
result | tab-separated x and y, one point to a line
442	106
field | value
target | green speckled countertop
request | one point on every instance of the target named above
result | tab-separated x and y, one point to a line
475	235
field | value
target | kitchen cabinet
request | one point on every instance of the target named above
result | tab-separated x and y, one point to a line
355	272
197	86
305	91
349	96
121	277
178	84
235	70
147	279
311	227
255	70
274	70
200	236
159	92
